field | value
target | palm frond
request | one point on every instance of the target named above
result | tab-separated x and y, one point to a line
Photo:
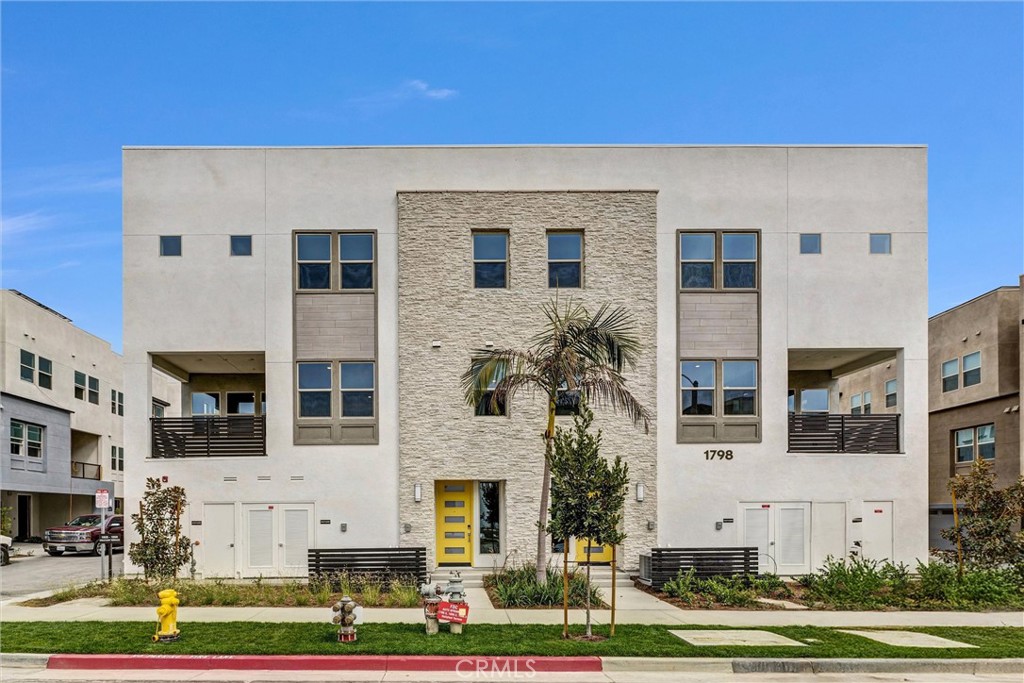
604	386
489	365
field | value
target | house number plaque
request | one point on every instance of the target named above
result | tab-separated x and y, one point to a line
717	455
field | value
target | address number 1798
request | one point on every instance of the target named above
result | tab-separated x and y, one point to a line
717	455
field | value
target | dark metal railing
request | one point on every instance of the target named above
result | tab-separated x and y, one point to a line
85	470
208	436
832	433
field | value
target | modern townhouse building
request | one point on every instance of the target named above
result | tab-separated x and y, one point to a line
974	396
319	305
62	416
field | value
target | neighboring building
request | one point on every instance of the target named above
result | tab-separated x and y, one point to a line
319	306
974	394
62	416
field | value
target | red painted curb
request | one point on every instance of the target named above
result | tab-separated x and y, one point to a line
467	664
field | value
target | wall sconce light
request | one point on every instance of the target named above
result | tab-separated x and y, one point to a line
489	344
436	343
640	493
417	492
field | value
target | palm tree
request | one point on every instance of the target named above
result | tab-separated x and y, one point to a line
575	352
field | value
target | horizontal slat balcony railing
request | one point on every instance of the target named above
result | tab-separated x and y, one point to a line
208	436
832	433
85	470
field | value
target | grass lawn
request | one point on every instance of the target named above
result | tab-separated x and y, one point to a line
478	639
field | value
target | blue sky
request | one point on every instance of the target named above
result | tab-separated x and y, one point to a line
81	80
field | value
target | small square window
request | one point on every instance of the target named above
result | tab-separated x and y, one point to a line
810	243
170	245
241	245
881	243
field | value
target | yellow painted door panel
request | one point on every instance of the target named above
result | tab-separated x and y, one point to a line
454	500
598	553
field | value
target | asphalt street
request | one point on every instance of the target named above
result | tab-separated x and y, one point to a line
29	574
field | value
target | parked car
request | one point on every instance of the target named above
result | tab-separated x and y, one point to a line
83	534
5	550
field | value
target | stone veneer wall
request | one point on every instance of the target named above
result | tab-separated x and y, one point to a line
440	436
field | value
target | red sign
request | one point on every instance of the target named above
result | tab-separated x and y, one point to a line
879	512
454	612
102	498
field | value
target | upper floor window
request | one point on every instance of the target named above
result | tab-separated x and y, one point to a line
490	260
739	387
313	253
170	245
855	405
28	366
26	439
356	253
241	403
205	403
814	400
565	259
357	388
810	243
45	373
567	401
80	385
94	390
972	369
951	375
890	393
880	243
117	458
116	402
697	383
241	245
314	389
975	442
487	405
159	408
718	260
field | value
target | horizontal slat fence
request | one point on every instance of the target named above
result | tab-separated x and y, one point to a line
836	433
666	563
382	562
205	437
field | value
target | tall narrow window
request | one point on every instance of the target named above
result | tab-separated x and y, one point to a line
972	369
697	254
34	441
739	260
890	393
356	253
739	382
855	405
964	444
357	385
94	390
170	245
28	366
987	442
487	405
314	389
565	259
17	438
951	375
79	385
117	458
314	261
867	402
490	260
116	402
697	384
45	373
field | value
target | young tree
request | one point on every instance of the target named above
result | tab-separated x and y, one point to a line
989	533
162	549
588	493
575	352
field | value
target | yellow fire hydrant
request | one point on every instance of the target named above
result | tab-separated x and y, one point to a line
167	617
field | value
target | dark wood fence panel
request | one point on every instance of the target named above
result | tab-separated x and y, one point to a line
377	561
204	437
833	433
666	563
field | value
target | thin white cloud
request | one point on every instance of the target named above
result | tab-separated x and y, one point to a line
423	88
24	223
408	91
85	178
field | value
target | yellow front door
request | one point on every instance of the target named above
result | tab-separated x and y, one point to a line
596	554
454	522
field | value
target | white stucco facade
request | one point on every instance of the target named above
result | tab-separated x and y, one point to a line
236	314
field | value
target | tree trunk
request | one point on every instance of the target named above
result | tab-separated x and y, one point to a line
565	588
589	633
545	493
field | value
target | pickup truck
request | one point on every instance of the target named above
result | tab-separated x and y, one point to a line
83	534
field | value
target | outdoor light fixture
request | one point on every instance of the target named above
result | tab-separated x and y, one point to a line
417	492
640	493
436	343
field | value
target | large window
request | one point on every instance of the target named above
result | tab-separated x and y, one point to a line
490	260
951	375
739	386
356	384
26	439
706	391
975	442
718	260
356	254
890	393
335	260
565	259
972	369
314	261
357	387
28	366
315	389
697	383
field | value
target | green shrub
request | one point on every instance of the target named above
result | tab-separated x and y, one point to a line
518	587
770	586
682	586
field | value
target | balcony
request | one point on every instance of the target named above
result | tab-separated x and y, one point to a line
837	433
208	436
85	470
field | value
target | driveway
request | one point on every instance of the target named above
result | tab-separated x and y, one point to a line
27	574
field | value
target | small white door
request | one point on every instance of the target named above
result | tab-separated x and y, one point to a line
296	532
755	534
781	534
219	540
261	540
828	532
876	543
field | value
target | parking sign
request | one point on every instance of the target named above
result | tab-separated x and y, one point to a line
102	498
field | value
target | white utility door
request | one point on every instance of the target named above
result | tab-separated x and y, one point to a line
781	534
261	540
876	543
277	537
296	534
828	532
219	540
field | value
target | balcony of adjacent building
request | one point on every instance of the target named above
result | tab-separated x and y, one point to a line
223	406
85	456
844	401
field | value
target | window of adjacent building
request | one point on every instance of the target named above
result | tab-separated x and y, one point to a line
565	259
814	401
975	442
314	261
158	409
94	390
357	386
79	385
810	243
205	403
697	254
703	255
26	439
881	243
28	366
117	458
697	384
490	260
951	375
486	405
890	393
739	260
263	403
170	245
241	245
855	405
972	369
867	403
241	403
116	402
356	253
739	387
314	389
45	373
